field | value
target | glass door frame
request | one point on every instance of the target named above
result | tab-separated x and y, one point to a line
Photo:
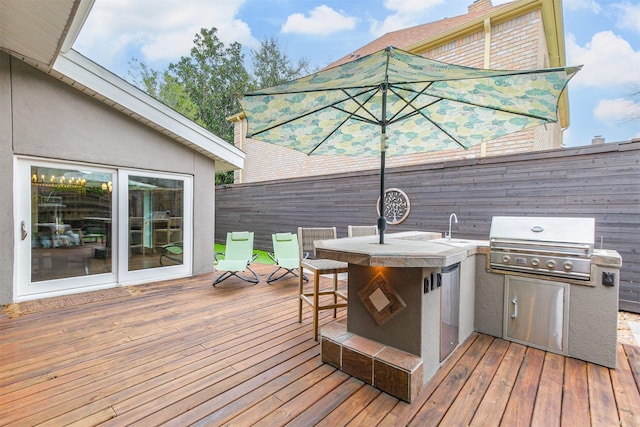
127	277
23	286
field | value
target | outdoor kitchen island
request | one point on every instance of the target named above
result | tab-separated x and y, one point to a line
414	299
392	339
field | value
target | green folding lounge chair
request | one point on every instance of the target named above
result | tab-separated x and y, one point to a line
237	257
286	255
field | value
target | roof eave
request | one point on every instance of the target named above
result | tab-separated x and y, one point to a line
95	81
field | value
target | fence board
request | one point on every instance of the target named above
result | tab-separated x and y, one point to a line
601	181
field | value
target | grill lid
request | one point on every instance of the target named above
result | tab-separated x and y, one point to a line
552	230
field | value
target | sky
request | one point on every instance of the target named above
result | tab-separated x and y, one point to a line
601	35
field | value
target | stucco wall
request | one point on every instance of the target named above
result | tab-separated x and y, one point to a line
51	119
517	43
43	117
203	214
6	175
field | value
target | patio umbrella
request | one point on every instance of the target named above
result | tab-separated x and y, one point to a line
393	102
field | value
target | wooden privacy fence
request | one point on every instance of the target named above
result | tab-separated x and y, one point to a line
599	181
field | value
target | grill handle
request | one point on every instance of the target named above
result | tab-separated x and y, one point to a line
514	301
519	245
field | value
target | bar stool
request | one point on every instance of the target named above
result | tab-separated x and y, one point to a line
318	266
362	230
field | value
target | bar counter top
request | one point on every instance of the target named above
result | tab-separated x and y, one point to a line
404	249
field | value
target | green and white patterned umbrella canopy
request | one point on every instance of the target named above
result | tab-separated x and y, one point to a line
430	105
393	102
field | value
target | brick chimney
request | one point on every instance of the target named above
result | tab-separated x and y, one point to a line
479	6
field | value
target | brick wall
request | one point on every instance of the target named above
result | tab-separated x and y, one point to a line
518	43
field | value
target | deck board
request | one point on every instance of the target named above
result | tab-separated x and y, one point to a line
523	396
462	410
575	402
184	353
548	406
493	405
623	382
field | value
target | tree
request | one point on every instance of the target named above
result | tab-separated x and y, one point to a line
213	75
164	87
271	66
202	86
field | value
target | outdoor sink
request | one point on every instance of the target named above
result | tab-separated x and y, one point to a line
458	243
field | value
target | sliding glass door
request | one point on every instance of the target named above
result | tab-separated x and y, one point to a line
82	226
156	209
65	218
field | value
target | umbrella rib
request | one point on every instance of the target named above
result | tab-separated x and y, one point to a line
349	116
361	106
408	103
332	105
448	98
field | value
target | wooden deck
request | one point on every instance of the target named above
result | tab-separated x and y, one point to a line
184	353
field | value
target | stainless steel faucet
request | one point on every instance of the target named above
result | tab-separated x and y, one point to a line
451	217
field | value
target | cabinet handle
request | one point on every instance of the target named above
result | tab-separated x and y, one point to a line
515	308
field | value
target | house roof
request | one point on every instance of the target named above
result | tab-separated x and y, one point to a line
407	37
41	33
420	38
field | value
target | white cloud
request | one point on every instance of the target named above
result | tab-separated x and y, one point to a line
391	23
609	61
405	7
612	112
406	13
161	30
629	18
322	20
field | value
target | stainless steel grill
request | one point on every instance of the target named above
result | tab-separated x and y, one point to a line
548	246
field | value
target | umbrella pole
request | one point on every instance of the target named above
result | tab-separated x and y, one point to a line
382	222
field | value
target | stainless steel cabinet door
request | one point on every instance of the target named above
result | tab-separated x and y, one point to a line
536	313
449	310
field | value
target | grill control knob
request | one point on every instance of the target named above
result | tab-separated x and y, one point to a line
506	259
551	264
567	265
535	262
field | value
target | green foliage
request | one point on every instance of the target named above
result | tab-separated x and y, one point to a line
224	178
212	76
271	66
164	87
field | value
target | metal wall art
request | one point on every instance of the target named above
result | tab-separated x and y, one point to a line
396	206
